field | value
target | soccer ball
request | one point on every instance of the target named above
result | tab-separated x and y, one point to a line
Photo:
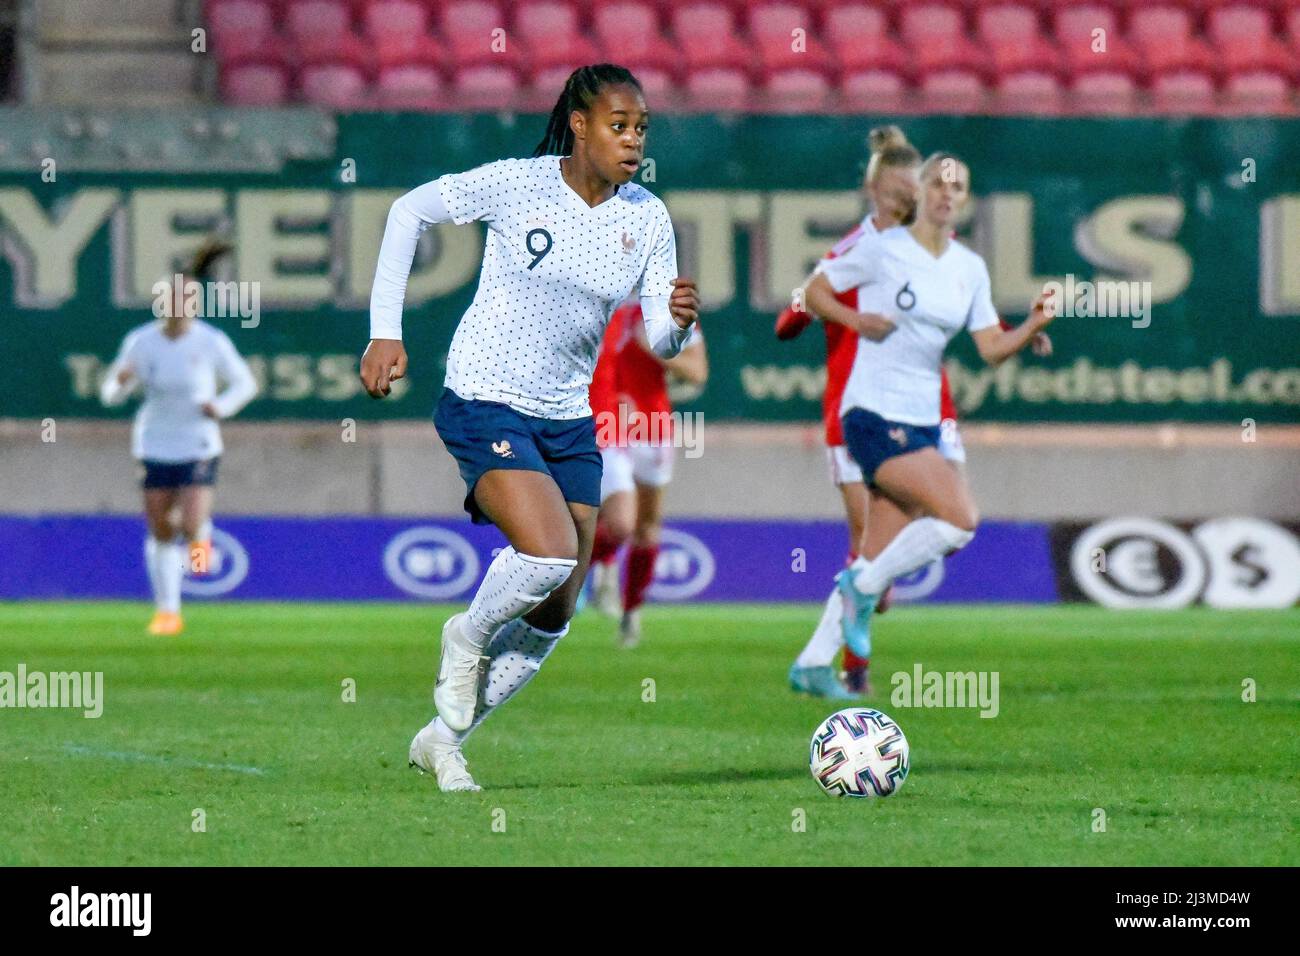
859	752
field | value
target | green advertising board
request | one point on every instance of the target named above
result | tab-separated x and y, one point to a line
1198	219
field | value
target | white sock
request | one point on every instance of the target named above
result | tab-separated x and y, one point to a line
517	652
205	531
919	543
151	566
169	558
515	584
827	638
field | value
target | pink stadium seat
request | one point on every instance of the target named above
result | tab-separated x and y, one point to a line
486	87
1032	93
550	30
658	86
1183	92
775	30
952	91
318	19
937	41
1258	93
410	87
873	91
1074	32
853	22
240	27
1163	36
1292	18
858	37
797	91
715	89
706	36
468	28
399	33
255	84
930	23
1006	23
337	86
629	33
1238	22
1114	94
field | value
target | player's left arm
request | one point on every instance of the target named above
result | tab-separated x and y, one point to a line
241	386
995	342
669	303
691	364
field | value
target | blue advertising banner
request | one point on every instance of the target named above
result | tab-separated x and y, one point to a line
393	559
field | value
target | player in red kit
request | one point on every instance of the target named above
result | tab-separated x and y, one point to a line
637	435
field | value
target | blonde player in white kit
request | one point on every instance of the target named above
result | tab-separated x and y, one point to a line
179	363
569	236
917	288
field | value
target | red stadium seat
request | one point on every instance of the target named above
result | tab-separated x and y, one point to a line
1005	23
338	86
952	91
255	84
797	91
858	37
1258	93
873	91
470	29
937	41
706	36
1292	17
715	89
322	33
1109	93
486	87
1238	22
853	22
1030	93
240	27
1163	35
629	33
1183	92
658	86
1084	50
410	87
550	30
787	40
399	32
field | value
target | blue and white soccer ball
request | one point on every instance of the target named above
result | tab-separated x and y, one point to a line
859	752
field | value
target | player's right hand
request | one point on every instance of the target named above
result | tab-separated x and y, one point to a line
1044	309
383	363
872	326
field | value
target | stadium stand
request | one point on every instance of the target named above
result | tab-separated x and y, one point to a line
991	56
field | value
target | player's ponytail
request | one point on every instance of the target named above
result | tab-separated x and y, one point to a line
580	92
889	148
200	267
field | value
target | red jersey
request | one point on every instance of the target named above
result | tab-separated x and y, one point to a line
841	350
629	378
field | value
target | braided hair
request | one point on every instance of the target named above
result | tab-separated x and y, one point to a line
580	92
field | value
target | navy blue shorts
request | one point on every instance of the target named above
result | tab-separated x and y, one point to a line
178	474
873	440
487	435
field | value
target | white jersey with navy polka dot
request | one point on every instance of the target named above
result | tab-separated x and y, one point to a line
930	299
554	270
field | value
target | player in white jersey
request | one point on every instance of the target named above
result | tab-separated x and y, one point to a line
192	377
569	236
917	287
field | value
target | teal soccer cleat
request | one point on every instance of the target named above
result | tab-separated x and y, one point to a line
856	620
819	682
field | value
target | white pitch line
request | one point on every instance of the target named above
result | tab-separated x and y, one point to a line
138	757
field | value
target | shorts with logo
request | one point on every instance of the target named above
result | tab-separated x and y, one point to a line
179	474
483	436
845	471
632	465
873	440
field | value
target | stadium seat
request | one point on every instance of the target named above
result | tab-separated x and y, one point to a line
338	86
705	33
1104	91
399	32
859	40
1292	18
1163	36
873	91
796	91
240	28
468	29
629	33
1183	92
952	91
1258	93
774	29
937	41
1000	23
255	84
550	31
488	86
1031	93
321	31
1083	53
409	87
714	89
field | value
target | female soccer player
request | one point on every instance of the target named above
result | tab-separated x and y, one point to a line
917	287
634	426
890	187
569	236
178	362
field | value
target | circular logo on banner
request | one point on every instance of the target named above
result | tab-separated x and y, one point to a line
1253	563
1137	563
431	562
920	583
685	567
227	568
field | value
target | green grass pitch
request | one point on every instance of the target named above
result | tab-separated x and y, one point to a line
1139	715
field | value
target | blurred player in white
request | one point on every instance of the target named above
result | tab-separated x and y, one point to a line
917	288
191	377
569	237
634	428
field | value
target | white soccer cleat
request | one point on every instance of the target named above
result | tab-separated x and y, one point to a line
604	587
461	672
629	629
428	754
